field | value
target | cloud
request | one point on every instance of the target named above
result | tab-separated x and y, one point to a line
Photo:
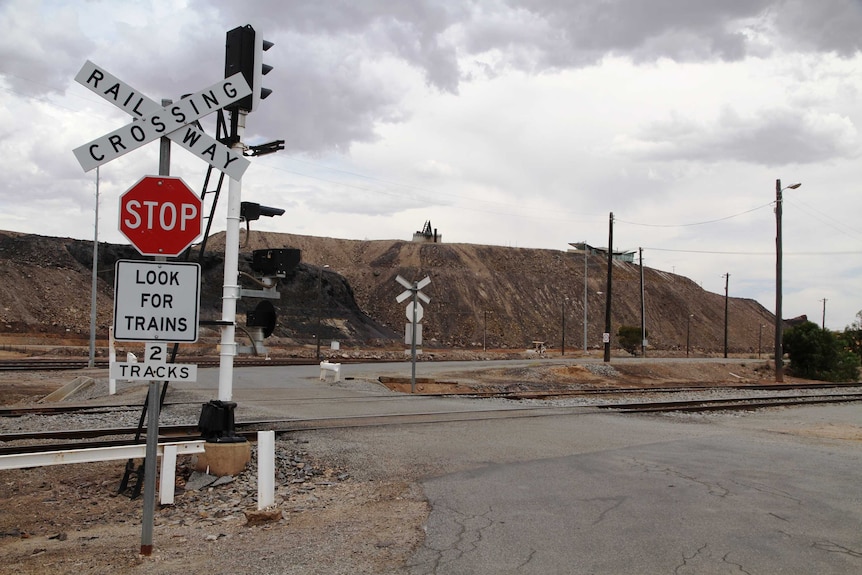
773	137
39	48
820	26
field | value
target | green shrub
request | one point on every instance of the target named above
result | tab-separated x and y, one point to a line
816	353
629	338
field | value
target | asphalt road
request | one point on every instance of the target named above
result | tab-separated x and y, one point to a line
722	501
630	494
766	492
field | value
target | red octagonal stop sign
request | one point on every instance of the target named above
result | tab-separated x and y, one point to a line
160	215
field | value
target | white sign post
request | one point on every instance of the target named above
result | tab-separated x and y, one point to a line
152	304
415	313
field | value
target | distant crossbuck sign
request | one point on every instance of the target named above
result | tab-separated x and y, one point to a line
153	121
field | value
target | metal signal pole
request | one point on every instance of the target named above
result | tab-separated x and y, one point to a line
607	334
643	304
726	286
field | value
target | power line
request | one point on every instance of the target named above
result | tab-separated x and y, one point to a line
827	220
695	223
772	253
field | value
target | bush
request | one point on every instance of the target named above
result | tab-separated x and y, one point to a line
819	354
629	338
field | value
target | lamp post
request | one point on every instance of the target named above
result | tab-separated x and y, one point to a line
563	329
319	297
688	334
726	286
485	330
585	296
606	336
759	340
779	323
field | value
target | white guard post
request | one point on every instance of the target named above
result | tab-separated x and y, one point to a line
330	371
265	469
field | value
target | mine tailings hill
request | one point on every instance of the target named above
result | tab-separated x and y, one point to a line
345	290
513	296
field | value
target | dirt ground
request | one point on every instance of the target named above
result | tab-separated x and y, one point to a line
555	377
70	520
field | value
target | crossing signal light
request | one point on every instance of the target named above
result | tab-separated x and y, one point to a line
263	316
244	50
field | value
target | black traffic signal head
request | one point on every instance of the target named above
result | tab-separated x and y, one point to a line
250	211
244	50
275	262
263	316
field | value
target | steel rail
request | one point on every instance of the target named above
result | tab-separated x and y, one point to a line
17	411
732	404
250	428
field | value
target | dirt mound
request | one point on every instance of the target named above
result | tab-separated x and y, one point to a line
345	290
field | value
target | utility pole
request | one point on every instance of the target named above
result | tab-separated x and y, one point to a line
823	321
607	335
643	318
585	296
726	286
779	349
563	329
779	322
319	296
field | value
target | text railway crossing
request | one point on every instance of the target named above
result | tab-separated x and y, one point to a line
151	121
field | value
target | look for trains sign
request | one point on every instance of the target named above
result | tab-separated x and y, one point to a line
156	301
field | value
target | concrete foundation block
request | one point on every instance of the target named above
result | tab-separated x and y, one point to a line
224	458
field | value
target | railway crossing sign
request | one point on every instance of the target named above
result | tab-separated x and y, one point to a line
160	215
411	287
415	312
156	301
418	309
153	121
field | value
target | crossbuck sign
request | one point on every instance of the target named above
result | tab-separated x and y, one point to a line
153	121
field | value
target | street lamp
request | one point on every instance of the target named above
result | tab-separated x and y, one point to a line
759	340
585	296
779	324
563	336
319	297
688	334
485	330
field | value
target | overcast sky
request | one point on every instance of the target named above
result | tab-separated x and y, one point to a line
515	123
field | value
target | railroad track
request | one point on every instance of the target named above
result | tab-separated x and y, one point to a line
732	404
43	409
249	429
45	364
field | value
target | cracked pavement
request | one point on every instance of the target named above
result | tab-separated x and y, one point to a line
648	494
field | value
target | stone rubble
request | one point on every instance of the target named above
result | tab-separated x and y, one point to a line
205	500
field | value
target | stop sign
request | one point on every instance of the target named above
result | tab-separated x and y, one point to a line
160	215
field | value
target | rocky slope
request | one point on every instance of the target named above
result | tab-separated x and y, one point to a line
502	296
